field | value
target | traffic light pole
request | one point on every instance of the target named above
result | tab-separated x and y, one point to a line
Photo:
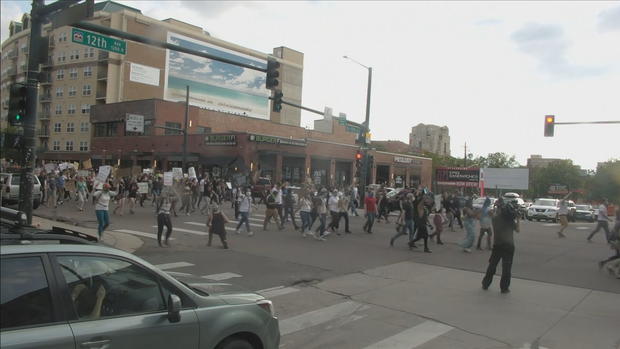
32	79
365	160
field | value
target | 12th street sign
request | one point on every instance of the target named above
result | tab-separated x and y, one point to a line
98	41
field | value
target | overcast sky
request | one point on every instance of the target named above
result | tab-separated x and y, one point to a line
490	71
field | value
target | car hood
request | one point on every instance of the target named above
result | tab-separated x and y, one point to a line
229	293
543	207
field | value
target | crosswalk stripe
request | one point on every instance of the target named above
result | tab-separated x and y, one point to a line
413	337
583	228
195	232
277	291
222	276
138	233
196	223
550	224
319	316
251	224
173	265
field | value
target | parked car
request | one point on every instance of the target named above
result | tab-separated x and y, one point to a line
260	187
76	293
10	194
585	212
479	202
546	209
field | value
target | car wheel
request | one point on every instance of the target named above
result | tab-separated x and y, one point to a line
35	204
235	343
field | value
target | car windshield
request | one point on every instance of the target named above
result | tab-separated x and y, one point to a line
584	207
546	202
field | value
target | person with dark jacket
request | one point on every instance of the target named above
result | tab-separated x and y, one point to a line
289	207
217	225
420	217
505	223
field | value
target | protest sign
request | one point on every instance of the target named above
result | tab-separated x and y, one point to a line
168	178
63	166
49	167
104	172
143	188
136	170
192	172
87	164
83	173
177	173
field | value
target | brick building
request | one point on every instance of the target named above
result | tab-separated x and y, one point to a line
235	145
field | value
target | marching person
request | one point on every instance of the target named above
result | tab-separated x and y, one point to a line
305	211
405	219
421	221
470	225
217	225
343	208
371	211
602	221
334	211
485	224
353	200
289	208
102	205
321	211
505	223
245	209
163	216
563	215
271	210
81	189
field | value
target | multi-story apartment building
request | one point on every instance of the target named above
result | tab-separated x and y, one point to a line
76	77
431	138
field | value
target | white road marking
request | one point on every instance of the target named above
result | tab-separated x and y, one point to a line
196	223
222	276
173	265
277	291
138	233
195	232
251	224
319	316
413	337
178	274
550	225
584	228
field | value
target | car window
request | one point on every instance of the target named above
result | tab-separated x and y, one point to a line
545	202
15	180
102	287
25	295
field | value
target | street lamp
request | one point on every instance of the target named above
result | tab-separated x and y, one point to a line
365	132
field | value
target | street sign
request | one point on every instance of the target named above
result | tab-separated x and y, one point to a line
99	41
134	123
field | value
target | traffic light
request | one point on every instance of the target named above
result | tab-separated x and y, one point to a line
549	125
358	159
277	101
272	74
17	104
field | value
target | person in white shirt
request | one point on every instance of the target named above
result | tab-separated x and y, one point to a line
245	208
305	210
102	204
334	211
603	221
563	215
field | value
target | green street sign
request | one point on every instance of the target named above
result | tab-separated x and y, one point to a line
99	41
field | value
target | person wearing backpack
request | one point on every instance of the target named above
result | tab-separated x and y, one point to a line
272	210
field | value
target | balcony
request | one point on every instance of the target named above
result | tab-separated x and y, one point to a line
100	95
102	75
12	54
44	133
45	79
52	42
45	98
103	55
48	64
44	115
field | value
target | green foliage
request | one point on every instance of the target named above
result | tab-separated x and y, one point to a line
561	172
606	182
496	160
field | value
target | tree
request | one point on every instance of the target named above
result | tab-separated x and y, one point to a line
561	172
606	182
496	160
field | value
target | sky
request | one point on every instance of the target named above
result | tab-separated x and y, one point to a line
490	71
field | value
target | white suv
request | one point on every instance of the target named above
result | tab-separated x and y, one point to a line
10	189
546	209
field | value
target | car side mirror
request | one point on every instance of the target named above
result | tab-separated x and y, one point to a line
174	308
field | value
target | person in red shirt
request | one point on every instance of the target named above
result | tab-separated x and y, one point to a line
371	211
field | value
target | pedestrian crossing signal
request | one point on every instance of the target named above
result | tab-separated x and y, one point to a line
17	104
549	125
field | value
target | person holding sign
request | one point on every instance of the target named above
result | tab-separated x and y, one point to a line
102	204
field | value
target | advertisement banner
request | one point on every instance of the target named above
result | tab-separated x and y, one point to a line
458	177
506	178
213	84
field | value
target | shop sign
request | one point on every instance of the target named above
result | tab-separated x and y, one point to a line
458	177
406	160
221	140
277	140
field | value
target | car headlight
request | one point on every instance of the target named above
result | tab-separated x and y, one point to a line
267	306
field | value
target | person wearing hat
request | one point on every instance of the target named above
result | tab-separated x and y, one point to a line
217	225
102	204
272	209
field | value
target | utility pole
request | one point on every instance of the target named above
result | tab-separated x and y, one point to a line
185	128
465	156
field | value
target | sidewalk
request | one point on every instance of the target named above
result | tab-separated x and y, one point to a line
125	242
536	314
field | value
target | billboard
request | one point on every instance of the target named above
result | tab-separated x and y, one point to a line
458	177
506	178
215	85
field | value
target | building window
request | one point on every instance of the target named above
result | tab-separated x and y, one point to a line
84	127
106	129
73	73
176	125
203	130
83	145
60	74
75	54
69	146
61	57
57	127
86	90
56	145
72	91
88	71
71	109
62	37
70	127
58	91
85	108
24	48
91	52
58	109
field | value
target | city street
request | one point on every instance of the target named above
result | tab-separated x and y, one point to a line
355	291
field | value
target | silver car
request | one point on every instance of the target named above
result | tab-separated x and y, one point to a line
10	189
90	296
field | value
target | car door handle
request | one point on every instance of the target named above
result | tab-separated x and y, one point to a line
101	344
